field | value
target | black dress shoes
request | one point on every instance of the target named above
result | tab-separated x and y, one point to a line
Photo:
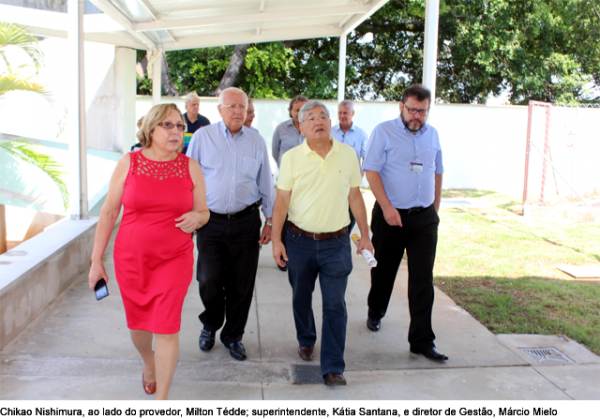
430	353
373	324
237	350
207	340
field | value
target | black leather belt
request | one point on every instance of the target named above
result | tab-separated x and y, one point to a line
413	210
243	212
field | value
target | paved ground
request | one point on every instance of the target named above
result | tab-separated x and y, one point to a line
80	349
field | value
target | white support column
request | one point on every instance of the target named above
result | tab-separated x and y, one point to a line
78	193
156	76
342	68
432	13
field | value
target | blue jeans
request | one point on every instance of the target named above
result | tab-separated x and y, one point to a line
331	260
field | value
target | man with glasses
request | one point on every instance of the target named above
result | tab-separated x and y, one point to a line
404	168
235	164
318	180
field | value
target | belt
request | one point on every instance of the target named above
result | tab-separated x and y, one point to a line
243	212
318	236
413	210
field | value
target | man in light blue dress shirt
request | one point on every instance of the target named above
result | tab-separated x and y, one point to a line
235	164
404	168
346	132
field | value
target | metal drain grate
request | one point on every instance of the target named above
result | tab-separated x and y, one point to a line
547	355
306	374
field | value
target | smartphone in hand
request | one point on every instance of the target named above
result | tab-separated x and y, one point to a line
101	289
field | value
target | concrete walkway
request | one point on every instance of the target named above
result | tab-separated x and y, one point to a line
80	349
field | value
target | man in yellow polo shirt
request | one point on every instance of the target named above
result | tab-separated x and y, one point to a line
317	181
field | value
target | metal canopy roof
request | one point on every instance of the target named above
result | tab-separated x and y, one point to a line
185	24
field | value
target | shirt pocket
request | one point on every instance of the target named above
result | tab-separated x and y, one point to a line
429	160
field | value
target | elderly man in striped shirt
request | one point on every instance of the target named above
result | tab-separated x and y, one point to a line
235	164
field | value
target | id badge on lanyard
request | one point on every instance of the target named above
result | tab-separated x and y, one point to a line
416	166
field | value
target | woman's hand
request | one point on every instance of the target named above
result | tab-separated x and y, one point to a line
189	222
97	272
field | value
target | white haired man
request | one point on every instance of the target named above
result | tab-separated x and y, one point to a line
193	120
235	164
346	132
318	181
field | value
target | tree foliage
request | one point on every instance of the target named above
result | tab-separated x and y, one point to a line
535	50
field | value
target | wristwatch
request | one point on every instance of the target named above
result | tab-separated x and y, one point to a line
270	224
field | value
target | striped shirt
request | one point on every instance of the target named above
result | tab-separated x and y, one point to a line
391	150
236	169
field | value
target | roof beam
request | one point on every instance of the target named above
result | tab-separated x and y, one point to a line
107	7
151	12
357	20
212	40
53	24
251	17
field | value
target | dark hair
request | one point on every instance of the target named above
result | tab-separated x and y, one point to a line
298	98
418	92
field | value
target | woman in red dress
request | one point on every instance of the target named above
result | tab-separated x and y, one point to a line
164	199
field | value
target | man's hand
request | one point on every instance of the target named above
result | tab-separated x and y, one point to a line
365	244
265	237
392	216
188	222
279	253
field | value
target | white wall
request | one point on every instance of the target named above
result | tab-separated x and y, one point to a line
483	146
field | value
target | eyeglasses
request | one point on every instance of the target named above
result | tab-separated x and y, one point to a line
169	125
413	111
317	118
241	108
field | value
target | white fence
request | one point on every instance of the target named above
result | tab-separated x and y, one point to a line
483	146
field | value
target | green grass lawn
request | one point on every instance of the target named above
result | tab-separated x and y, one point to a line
501	268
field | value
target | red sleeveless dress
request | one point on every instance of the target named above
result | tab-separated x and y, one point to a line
154	260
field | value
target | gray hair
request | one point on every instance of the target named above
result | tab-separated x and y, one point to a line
310	105
231	89
191	96
347	103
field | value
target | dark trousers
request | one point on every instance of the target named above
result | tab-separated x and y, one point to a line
227	262
331	261
418	235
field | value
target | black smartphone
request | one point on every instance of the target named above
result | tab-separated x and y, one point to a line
101	289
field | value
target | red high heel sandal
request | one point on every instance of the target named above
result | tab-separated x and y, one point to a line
149	388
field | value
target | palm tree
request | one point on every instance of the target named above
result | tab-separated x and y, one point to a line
15	36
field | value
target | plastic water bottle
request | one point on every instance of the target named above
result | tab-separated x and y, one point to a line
366	254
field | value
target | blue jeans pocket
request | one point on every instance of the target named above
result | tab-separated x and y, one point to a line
291	236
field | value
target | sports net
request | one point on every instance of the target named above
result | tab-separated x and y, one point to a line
562	167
